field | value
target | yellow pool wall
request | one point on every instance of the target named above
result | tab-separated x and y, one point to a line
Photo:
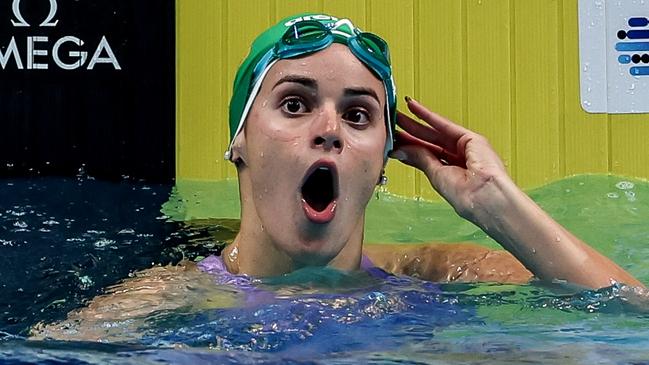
508	69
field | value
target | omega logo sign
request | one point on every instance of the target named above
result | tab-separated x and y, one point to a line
38	50
21	21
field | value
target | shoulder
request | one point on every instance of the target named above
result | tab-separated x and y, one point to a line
449	262
123	307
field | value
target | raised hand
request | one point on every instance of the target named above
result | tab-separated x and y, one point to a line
459	163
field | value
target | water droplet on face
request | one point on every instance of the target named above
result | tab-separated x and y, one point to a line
558	239
533	250
261	154
263	105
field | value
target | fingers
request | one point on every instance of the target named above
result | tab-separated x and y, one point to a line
417	156
428	134
446	157
441	124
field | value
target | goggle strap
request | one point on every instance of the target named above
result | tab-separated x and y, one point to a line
251	99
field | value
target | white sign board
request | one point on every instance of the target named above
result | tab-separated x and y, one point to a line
614	55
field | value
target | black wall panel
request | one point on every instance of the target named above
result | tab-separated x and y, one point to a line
115	119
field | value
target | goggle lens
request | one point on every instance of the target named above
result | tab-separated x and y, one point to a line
376	46
305	32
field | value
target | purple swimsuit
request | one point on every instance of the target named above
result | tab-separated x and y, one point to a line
215	266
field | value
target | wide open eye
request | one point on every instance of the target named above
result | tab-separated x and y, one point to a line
294	105
359	118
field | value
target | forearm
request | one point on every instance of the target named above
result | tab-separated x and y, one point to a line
546	248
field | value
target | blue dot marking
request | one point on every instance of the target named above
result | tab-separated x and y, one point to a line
638	22
632	46
639	71
624	59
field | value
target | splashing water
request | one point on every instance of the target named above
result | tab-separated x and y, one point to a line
313	315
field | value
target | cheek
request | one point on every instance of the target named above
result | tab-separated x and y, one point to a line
271	139
272	126
367	166
276	133
272	160
368	149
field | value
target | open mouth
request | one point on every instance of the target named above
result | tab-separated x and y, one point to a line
319	192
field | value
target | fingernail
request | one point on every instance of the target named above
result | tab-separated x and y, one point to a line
399	155
408	99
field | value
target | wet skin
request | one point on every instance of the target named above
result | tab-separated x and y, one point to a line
323	109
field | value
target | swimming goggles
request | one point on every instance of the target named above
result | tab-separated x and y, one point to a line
310	36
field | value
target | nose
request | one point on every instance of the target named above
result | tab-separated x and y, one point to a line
327	133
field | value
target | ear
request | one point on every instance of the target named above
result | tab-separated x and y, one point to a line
239	148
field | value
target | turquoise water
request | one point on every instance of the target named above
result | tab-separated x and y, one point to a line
608	212
318	315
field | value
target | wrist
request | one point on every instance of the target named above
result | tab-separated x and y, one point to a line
495	197
509	216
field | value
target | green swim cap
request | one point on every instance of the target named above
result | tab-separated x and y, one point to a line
310	32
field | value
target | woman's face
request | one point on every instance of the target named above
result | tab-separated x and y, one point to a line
313	150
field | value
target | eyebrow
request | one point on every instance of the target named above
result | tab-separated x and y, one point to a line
305	81
362	91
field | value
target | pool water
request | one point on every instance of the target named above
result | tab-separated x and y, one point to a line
63	240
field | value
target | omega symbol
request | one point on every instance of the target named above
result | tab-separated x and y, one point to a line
21	21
